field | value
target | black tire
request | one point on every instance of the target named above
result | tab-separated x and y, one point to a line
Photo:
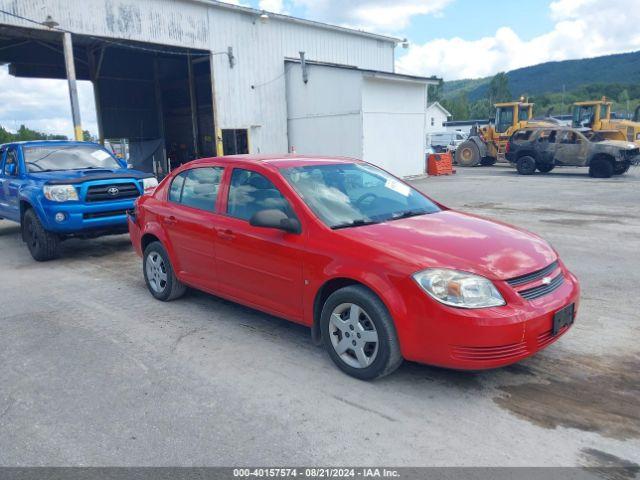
621	168
169	288
545	167
467	154
375	316
526	165
601	168
488	161
43	245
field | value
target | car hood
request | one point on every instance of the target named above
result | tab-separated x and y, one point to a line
451	239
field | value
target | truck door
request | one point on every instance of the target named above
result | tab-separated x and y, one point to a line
10	179
571	148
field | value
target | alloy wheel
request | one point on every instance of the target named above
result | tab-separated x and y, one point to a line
156	272
353	335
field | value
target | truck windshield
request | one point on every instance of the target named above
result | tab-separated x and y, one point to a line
350	195
48	158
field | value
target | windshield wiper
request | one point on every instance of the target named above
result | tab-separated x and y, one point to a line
358	222
408	213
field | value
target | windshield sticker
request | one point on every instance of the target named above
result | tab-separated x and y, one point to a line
100	155
398	187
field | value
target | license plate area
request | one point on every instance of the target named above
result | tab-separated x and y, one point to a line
562	318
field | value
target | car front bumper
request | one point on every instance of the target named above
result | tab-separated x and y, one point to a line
476	339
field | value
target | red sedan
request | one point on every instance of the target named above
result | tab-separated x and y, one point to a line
379	271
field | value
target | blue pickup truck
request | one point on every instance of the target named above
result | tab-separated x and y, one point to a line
61	189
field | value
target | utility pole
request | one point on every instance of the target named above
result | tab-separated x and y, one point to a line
73	88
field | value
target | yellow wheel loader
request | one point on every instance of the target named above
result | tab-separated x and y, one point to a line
596	115
486	145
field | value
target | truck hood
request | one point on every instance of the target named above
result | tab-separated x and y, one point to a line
451	239
617	144
80	176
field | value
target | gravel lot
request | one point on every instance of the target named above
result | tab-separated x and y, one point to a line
94	371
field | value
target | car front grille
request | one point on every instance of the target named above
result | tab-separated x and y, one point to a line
500	352
116	191
541	290
533	276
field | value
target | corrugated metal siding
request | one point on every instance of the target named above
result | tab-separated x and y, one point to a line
260	50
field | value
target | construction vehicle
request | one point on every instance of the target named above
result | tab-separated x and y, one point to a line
487	144
596	115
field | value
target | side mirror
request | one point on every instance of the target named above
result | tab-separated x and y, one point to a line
11	170
273	218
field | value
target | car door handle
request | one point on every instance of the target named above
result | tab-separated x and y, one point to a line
225	234
170	220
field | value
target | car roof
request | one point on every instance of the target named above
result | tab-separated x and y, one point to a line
275	160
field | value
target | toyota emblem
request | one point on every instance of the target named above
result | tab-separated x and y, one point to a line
113	191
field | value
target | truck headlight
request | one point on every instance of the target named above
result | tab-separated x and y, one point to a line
60	193
149	185
459	289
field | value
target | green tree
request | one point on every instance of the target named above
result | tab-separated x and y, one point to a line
458	107
87	137
623	100
498	90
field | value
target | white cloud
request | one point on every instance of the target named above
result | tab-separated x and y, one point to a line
43	104
275	6
583	28
376	15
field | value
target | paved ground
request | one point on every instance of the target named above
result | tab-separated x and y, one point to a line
93	371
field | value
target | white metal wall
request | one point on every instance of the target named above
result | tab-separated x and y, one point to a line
394	125
250	95
325	114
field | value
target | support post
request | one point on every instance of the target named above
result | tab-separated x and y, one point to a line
73	88
158	95
194	107
93	67
217	131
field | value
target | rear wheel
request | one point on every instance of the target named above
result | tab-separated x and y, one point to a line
621	168
526	165
545	167
359	334
601	168
159	275
467	154
43	245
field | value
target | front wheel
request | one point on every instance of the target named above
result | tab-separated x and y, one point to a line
601	168
359	334
621	168
159	275
43	245
467	154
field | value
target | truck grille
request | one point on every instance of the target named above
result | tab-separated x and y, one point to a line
116	191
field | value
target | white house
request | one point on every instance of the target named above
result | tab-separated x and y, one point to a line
437	115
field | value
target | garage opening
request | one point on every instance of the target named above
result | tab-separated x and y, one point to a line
154	103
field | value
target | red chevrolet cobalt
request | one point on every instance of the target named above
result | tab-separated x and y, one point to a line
379	271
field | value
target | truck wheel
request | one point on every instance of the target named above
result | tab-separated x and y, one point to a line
545	167
526	165
467	154
42	245
359	334
621	168
601	168
488	161
159	275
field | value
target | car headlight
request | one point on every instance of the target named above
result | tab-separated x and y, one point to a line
459	289
149	185
60	193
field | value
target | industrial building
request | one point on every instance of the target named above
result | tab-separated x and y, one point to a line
182	79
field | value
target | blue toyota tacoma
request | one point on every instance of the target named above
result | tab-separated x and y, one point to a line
62	189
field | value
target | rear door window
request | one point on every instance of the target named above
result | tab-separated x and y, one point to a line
197	188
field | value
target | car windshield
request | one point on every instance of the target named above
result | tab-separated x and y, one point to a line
349	195
47	158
